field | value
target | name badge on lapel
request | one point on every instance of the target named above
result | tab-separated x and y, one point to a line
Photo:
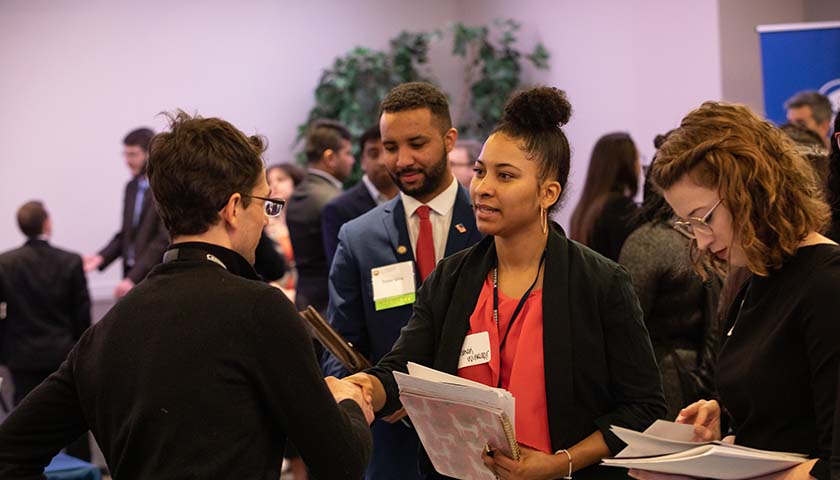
475	350
393	285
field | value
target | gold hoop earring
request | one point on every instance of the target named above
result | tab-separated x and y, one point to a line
544	220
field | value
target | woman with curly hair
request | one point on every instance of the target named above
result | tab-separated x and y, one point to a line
750	200
562	324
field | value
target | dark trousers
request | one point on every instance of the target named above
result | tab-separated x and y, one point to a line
25	382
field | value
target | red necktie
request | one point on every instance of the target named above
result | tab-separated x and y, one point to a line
425	254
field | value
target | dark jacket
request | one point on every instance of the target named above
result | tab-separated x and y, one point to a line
599	364
303	217
680	311
201	371
47	305
343	208
149	239
613	226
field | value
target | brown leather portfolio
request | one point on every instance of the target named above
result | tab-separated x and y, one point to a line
343	350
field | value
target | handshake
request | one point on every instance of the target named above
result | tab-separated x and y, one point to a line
365	390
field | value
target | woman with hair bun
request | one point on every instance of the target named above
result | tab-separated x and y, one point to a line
565	328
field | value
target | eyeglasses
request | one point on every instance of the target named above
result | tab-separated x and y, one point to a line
693	225
273	206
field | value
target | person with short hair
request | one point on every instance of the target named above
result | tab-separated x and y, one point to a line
202	370
462	160
142	239
375	188
429	220
563	326
812	110
329	158
46	307
749	199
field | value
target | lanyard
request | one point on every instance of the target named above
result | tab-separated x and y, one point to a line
191	254
518	306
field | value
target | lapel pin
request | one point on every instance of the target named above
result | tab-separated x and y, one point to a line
402	250
461	228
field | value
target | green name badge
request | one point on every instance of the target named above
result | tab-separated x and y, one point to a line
392	302
393	285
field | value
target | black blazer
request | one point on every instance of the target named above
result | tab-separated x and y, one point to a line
303	217
47	305
150	238
599	364
343	208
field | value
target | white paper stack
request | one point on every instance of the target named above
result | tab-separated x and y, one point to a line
668	447
456	419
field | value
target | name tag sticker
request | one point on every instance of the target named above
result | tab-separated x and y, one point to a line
475	351
393	285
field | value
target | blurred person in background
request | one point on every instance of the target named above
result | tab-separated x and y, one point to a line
812	110
46	307
282	179
142	239
462	160
375	188
329	157
606	210
679	306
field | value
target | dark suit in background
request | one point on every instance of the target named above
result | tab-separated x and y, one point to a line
144	242
47	310
347	206
303	217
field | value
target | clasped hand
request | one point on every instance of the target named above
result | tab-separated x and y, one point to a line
345	390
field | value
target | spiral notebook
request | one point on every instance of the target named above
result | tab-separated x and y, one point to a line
456	419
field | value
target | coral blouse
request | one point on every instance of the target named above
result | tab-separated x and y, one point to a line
520	365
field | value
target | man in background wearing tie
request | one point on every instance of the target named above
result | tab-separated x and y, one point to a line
404	238
142	239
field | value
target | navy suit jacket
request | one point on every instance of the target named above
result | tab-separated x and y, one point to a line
351	204
379	238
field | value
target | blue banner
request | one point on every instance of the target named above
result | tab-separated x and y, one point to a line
797	57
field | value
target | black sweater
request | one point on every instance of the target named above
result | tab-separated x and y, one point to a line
777	371
196	373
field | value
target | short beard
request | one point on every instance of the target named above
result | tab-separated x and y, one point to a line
432	178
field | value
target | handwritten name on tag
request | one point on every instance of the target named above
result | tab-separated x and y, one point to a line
475	350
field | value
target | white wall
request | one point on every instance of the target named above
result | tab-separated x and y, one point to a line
76	76
633	66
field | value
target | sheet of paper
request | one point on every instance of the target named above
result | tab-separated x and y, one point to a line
712	461
430	382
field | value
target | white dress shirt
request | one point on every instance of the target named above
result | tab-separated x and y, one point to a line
374	192
440	214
